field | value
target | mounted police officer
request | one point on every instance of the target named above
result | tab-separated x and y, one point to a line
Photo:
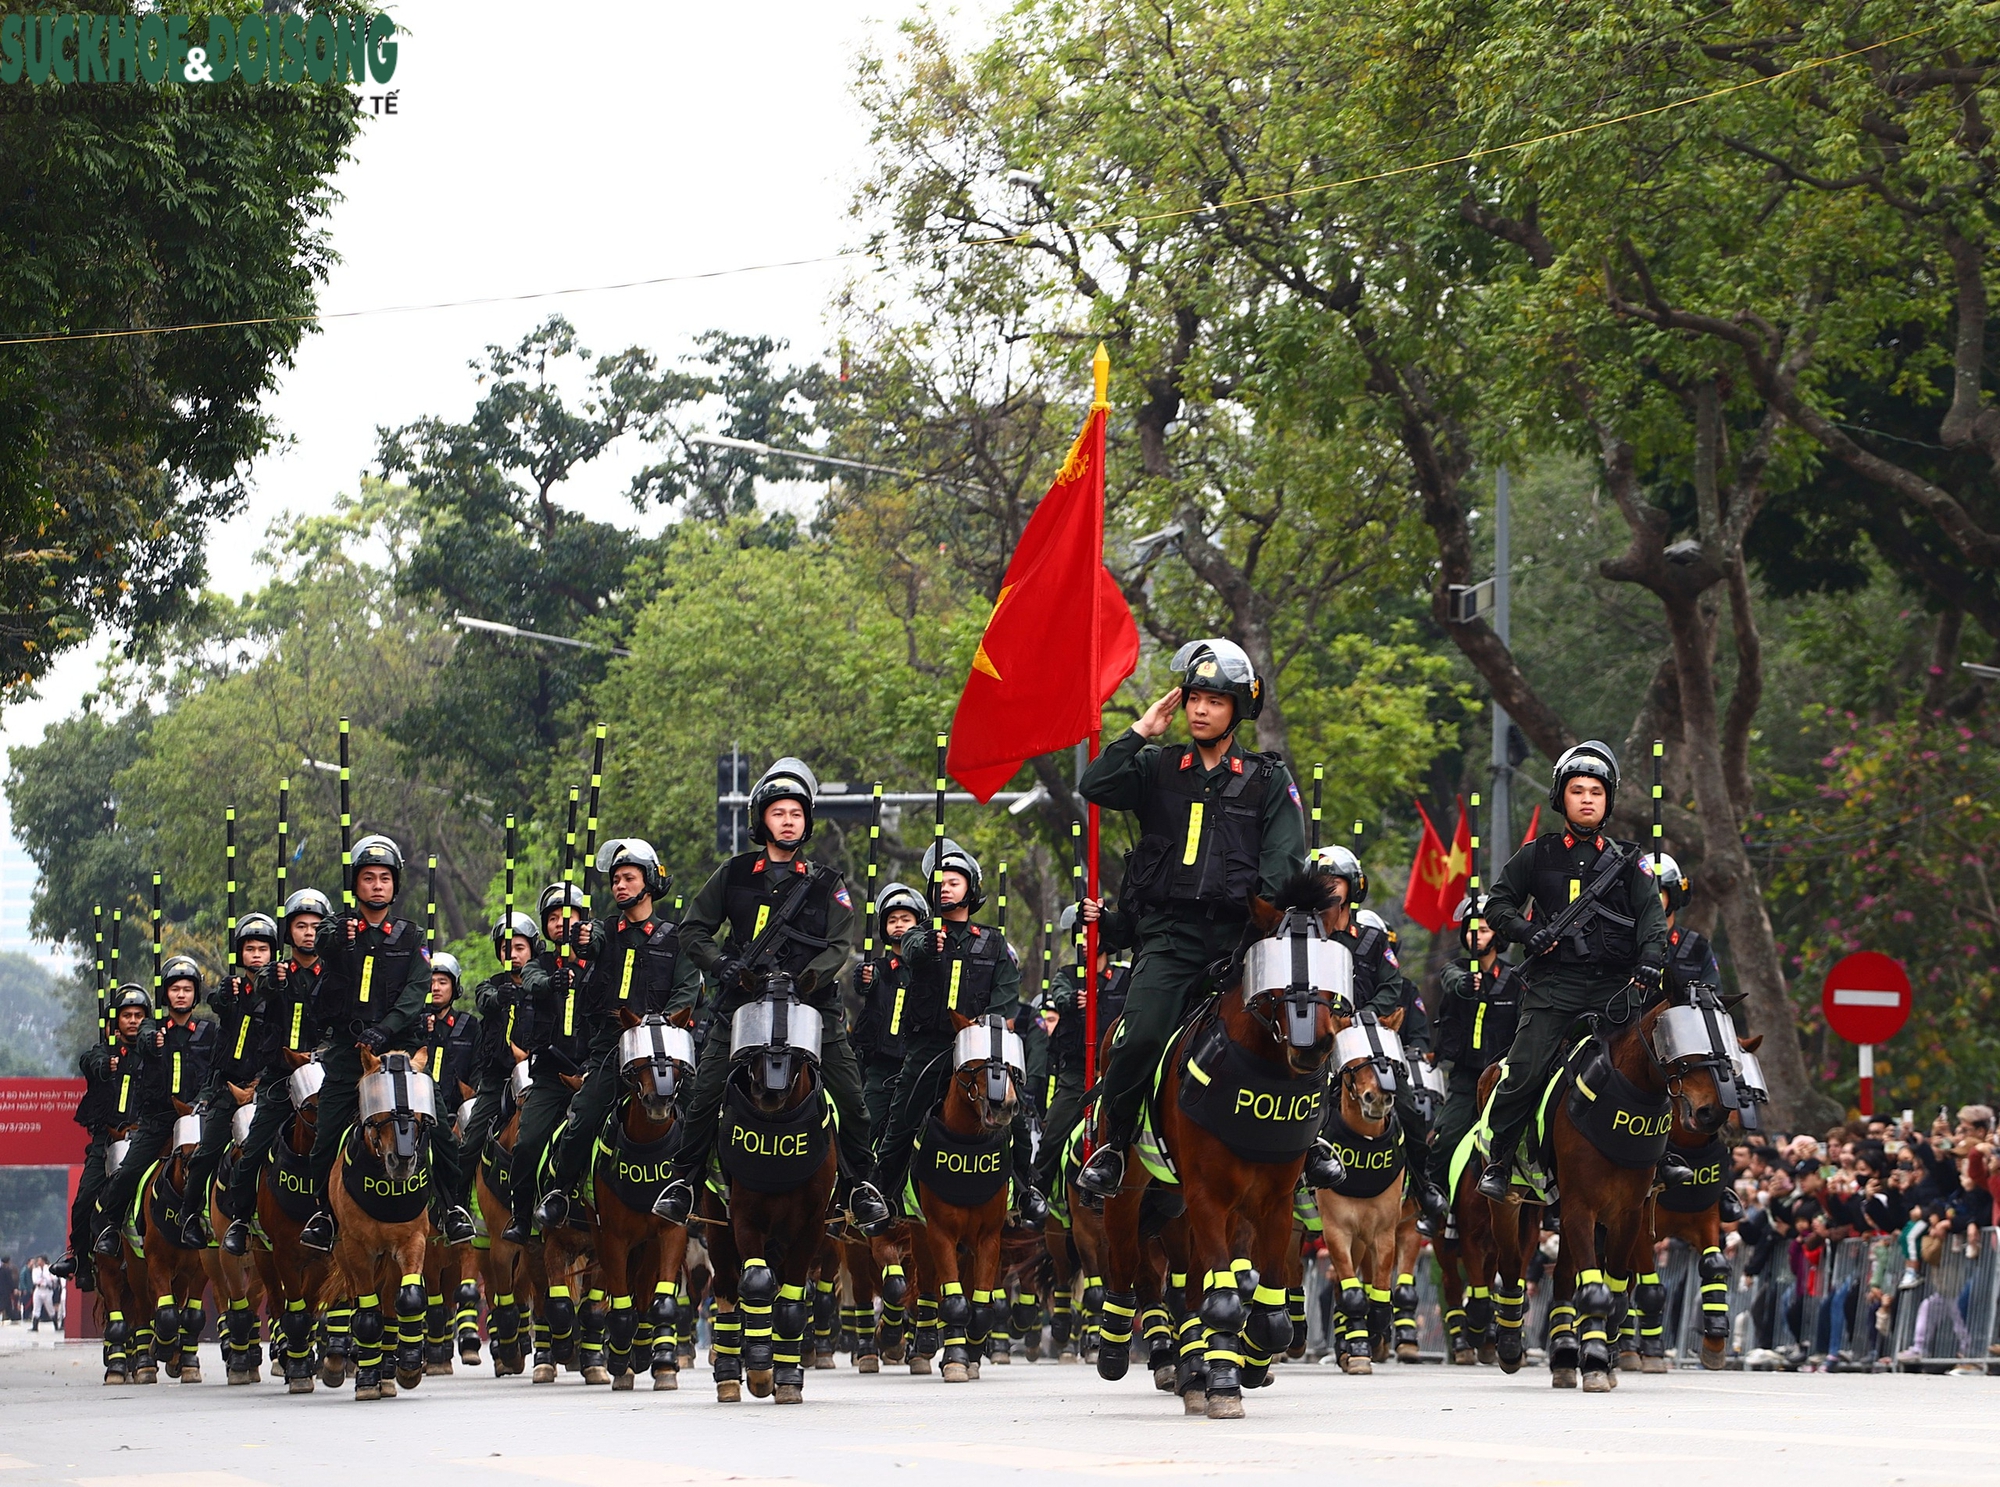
284	1014
128	1076
882	987
1617	940
372	996
506	1003
236	1060
1415	1104
965	968
1690	958
1115	932
784	913
558	1046
451	1035
637	965
189	1054
1477	1010
1219	824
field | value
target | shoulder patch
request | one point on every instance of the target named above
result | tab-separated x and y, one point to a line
840	896
1012	956
1292	789
1646	864
1390	956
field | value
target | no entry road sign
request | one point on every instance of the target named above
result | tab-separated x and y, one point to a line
1866	997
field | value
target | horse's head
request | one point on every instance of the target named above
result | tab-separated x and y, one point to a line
988	1064
656	1062
181	1145
397	1107
776	1039
1369	1053
118	1146
303	1087
1297	983
1695	1046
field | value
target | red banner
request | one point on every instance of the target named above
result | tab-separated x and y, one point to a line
37	1125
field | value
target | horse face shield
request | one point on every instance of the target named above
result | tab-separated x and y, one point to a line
773	1033
1700	1035
401	1097
1427	1089
989	1041
304	1084
239	1124
1750	1081
1367	1041
658	1046
187	1132
1300	972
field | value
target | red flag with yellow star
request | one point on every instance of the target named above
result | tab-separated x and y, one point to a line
1061	637
1438	877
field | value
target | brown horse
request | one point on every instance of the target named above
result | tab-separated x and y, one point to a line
511	1292
173	1277
778	1156
1649	1053
640	1255
293	1276
121	1293
380	1193
1259	1053
960	1177
234	1278
451	1284
1359	1221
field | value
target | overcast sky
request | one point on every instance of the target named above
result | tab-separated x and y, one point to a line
537	148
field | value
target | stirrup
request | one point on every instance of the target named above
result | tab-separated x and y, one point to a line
1104	1174
1034	1208
65	1266
868	1208
1496	1181
106	1243
318	1234
553	1211
676	1202
236	1238
457	1224
1431	1202
1324	1168
1674	1168
194	1232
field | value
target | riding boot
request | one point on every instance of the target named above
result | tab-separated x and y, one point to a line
194	1231
1324	1168
553	1211
1729	1207
107	1241
1496	1180
65	1267
236	1238
1104	1174
318	1233
1674	1168
676	1201
457	1225
1034	1208
867	1206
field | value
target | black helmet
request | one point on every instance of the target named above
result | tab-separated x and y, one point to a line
255	927
898	896
1670	881
788	779
631	851
1337	862
1466	914
379	851
304	901
556	895
957	859
131	994
180	968
511	925
1588	758
1217	665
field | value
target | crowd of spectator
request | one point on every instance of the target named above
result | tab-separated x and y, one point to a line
1842	1235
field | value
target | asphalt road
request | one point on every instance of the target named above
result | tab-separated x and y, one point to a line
1019	1426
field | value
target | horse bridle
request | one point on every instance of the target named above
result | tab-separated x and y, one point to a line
993	1067
1707	1005
1297	1000
666	1078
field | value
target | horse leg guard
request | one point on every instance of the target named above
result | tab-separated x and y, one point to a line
562	1324
1714	1273
366	1328
1093	1294
1295	1308
825	1317
619	1332
726	1332
1509	1310
1025	1315
188	1340
412	1304
1593	1304
1563	1351
1222	1315
927	1327
955	1312
1191	1368
1351	1306
1114	1338
1403	1307
1478	1316
592	1331
167	1327
1269	1329
789	1318
756	1292
437	1334
1060	1316
895	1287
1159	1335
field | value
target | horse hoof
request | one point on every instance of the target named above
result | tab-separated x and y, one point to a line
1597	1383
367	1391
956	1373
1379	1351
299	1386
1510	1365
333	1375
622	1384
389	1386
1356	1365
1659	1365
759	1380
1163	1378
1194	1402
436	1370
1408	1352
191	1373
1067	1356
999	1358
597	1373
1562	1378
1710	1361
822	1360
788	1394
545	1373
408	1380
868	1364
1628	1363
1033	1351
919	1364
146	1376
1613	1378
1464	1357
1225	1407
470	1357
1488	1354
972	1369
113	1380
666	1380
729	1392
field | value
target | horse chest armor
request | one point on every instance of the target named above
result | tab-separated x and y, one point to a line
290	1181
385	1199
1373	1162
1627	1126
965	1171
1704	1190
1259	1115
636	1173
773	1153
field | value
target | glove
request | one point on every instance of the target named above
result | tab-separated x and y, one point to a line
1542	940
154	1038
1647	976
373	1039
867	972
729	973
1063	999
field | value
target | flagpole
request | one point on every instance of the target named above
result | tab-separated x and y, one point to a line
1100	409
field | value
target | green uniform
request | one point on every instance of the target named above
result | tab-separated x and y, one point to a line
746	894
285	1020
380	979
1211	840
1579	975
977	974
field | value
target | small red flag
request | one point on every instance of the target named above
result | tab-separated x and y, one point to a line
1534	825
1438	877
1061	637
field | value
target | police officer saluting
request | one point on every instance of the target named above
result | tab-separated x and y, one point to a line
1477	1008
965	968
285	1016
784	913
236	1060
1619	938
1219	825
372	995
636	966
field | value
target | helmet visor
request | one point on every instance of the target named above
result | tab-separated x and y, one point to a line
1231	667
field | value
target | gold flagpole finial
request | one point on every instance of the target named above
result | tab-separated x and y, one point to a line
1100	368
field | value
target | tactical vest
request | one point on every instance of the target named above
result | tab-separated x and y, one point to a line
285	1015
636	1173
365	979
773	1153
129	1095
880	999
1690	960
1066	1046
239	1055
1625	1124
1259	1114
1368	948
385	1199
555	1016
1711	1163
1609	940
636	976
960	981
748	904
1203	849
964	1171
1373	1162
187	1054
1474	1035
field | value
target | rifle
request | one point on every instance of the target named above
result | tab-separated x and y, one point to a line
1578	911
